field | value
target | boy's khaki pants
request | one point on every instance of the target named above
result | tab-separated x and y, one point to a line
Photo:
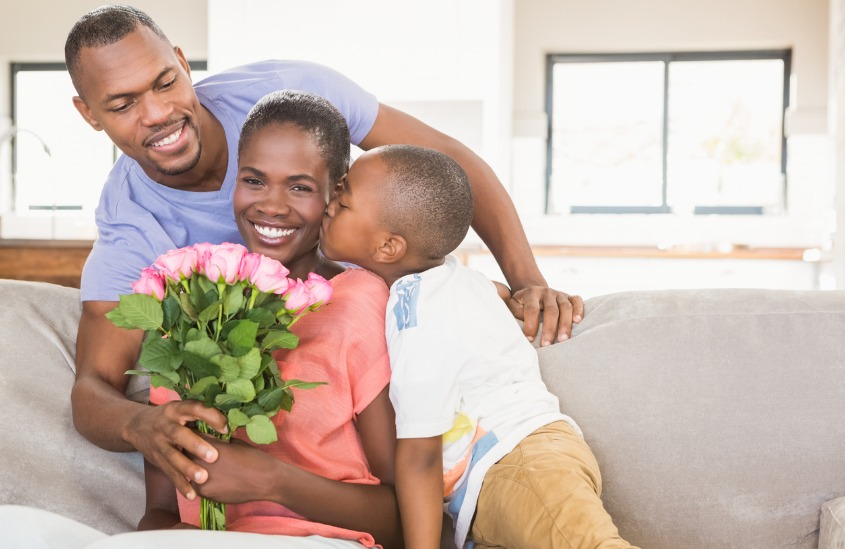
546	493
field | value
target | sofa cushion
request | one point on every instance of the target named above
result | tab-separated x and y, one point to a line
715	415
832	533
46	463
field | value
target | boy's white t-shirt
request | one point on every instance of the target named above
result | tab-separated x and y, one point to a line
462	368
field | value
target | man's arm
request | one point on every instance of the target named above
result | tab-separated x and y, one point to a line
419	489
103	414
496	222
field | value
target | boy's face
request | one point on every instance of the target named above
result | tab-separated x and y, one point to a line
351	230
280	195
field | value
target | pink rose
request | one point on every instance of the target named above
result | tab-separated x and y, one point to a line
177	263
320	288
150	283
222	262
297	297
264	273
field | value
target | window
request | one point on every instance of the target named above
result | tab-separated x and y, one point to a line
694	133
58	162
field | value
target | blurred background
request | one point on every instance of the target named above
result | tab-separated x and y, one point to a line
646	144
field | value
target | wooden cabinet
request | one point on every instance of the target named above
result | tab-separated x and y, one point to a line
59	262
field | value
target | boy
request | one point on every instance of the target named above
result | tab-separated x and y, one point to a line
474	420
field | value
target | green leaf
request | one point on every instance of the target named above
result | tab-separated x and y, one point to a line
117	318
168	380
160	355
233	299
199	387
219	515
199	366
210	313
243	334
203	347
291	383
279	339
171	310
188	306
225	401
206	285
252	408
262	316
237	419
138	373
138	311
271	399
241	389
250	364
287	400
228	366
261	430
259	383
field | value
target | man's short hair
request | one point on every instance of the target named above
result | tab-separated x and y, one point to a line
428	199
101	27
310	113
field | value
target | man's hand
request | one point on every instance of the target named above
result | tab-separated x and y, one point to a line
559	310
161	434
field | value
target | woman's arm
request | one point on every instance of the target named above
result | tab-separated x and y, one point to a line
162	509
243	473
419	487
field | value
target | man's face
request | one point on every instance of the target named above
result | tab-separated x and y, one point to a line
138	90
351	228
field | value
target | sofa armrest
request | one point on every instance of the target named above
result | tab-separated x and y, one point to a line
46	463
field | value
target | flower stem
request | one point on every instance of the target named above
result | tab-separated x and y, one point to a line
212	513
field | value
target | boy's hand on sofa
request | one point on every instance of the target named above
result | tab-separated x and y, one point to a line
161	434
558	311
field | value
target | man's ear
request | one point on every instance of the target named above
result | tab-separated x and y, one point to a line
83	109
392	249
180	55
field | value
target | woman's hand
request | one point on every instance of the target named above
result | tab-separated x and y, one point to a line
241	473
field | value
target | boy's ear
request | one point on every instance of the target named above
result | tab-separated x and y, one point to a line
391	249
83	109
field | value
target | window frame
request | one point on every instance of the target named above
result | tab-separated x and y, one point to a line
666	58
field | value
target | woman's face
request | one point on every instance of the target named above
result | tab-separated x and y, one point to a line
281	194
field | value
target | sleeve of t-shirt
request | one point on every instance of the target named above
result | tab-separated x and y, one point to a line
367	361
114	264
424	387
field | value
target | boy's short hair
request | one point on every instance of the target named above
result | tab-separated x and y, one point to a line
101	27
428	199
310	113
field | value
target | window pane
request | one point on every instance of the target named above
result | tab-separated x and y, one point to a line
72	173
725	132
607	134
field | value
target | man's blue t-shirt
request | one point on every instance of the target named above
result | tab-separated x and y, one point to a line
139	219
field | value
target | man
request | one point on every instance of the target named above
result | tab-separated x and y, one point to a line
173	187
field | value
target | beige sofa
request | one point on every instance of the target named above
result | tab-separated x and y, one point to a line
717	416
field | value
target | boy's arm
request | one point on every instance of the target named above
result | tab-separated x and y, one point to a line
419	488
496	221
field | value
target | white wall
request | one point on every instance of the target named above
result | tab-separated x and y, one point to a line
837	76
446	61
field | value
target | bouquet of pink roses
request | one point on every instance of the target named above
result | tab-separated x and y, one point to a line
214	314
